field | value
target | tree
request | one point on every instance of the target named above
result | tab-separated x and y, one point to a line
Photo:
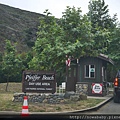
58	38
11	64
102	25
114	48
99	15
77	29
106	36
47	44
48	52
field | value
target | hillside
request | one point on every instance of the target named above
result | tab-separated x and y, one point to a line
18	26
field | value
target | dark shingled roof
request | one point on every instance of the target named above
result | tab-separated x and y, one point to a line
106	58
103	57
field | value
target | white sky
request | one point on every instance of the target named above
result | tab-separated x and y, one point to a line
56	7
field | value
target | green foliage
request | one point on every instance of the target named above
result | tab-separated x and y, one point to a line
99	15
25	57
77	29
11	65
114	48
106	33
58	38
102	25
47	45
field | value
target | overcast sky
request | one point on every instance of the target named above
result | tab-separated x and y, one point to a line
56	7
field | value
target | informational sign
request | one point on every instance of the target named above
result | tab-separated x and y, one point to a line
97	88
92	69
38	82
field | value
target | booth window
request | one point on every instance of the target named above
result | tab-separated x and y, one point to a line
89	71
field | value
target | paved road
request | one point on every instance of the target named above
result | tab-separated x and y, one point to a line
109	108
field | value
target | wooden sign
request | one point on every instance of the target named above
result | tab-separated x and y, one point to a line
38	82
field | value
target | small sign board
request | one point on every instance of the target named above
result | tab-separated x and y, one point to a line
97	88
92	69
38	82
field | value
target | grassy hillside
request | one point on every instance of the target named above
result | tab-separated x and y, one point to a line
18	26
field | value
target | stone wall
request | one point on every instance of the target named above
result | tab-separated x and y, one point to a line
48	98
82	88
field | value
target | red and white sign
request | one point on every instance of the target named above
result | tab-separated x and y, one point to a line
97	88
68	62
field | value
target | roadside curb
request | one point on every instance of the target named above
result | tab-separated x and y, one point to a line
78	111
95	107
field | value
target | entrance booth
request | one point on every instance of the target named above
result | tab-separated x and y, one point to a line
89	75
